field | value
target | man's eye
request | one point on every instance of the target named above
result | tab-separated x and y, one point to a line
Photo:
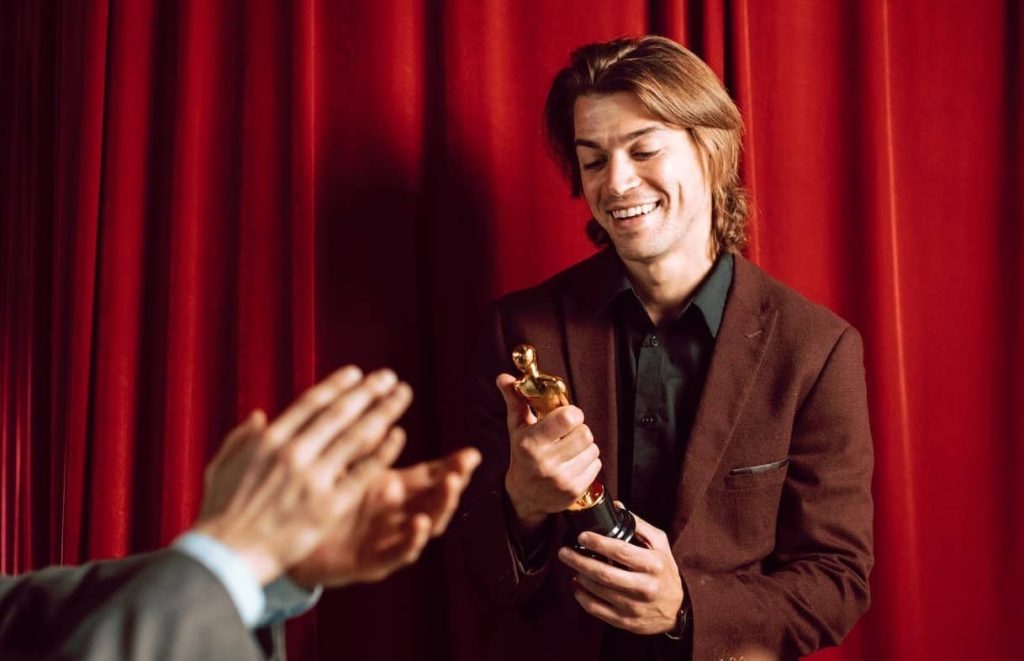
593	165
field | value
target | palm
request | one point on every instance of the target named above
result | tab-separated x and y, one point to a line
391	524
348	553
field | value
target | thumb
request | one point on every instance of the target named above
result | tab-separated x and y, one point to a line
518	411
654	537
464	461
254	423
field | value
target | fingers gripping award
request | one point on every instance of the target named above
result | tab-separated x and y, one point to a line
594	509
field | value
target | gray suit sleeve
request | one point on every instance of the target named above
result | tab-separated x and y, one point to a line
161	606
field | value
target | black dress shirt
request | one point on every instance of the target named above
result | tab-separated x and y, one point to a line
661	374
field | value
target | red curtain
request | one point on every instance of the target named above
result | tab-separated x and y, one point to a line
207	204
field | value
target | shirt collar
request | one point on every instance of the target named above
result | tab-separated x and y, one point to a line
611	282
710	297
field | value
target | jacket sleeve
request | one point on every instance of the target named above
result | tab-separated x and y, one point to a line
812	588
479	537
161	605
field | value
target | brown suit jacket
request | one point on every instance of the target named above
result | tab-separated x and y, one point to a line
775	562
161	605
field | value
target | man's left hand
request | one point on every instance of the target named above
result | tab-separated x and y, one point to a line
643	596
400	513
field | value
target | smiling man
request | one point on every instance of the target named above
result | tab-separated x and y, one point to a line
726	411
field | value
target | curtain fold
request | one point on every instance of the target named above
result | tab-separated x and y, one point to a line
206	205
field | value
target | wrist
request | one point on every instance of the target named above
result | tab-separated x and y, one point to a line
530	547
302	578
260	561
528	520
311	578
262	564
684	621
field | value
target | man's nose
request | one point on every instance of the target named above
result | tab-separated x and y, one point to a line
622	176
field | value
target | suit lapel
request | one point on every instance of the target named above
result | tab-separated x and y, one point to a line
590	349
744	336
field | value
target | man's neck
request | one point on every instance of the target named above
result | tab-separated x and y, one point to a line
665	285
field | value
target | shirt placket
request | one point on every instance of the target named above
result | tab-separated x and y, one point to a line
648	422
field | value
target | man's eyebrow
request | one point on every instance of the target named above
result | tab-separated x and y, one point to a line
629	137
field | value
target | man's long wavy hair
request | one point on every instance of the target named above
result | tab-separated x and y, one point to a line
677	88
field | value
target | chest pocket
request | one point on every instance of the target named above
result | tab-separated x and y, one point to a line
744	505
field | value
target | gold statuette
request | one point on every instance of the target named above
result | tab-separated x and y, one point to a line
593	510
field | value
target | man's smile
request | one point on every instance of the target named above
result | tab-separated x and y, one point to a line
630	212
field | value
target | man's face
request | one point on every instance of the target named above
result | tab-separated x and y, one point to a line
643	179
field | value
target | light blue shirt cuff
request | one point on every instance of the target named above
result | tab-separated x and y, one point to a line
285	600
243	586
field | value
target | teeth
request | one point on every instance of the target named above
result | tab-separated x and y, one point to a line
619	214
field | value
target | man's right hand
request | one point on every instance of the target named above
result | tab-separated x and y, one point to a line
552	461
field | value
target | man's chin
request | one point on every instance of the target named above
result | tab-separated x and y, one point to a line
635	251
